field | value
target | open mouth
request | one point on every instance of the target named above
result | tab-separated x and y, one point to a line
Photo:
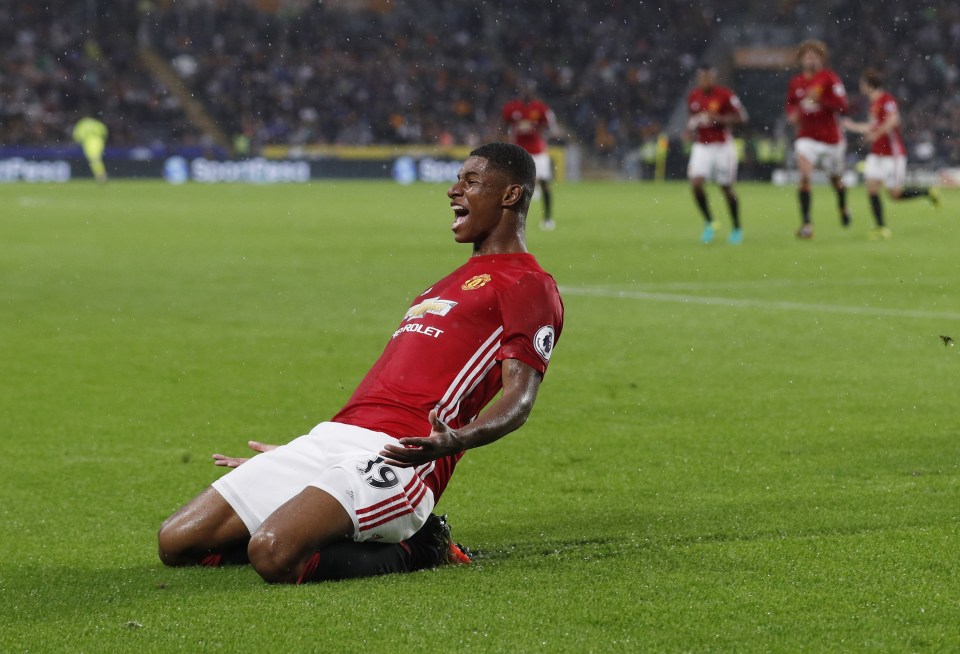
460	215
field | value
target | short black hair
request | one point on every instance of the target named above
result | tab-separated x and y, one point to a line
515	162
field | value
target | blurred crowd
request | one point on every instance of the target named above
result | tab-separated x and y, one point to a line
434	72
54	70
418	71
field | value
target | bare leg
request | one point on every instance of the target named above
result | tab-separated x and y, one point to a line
206	525
280	549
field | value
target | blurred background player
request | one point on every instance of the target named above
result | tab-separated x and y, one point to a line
816	98
887	162
527	120
91	134
714	110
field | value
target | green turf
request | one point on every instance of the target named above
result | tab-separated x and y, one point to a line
747	448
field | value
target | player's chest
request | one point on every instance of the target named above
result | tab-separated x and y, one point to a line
465	304
526	114
814	87
706	102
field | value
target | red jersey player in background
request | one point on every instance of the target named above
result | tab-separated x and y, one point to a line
366	481
886	164
713	111
816	98
527	119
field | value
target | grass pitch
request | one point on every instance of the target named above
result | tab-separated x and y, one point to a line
748	448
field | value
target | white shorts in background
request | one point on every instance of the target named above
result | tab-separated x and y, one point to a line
386	503
828	157
891	170
715	162
544	166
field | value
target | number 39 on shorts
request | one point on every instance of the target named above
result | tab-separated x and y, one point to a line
381	477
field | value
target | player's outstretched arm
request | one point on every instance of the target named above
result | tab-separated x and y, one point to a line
854	126
234	461
520	385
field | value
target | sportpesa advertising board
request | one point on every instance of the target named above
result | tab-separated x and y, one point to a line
277	166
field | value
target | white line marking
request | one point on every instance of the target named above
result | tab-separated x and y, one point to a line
728	285
762	304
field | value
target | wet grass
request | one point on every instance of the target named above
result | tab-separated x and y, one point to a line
746	448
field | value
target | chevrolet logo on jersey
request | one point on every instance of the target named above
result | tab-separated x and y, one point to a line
432	305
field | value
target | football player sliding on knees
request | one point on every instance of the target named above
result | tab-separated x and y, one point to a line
356	495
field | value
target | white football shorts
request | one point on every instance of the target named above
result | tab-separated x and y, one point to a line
891	170
715	162
544	166
386	503
828	157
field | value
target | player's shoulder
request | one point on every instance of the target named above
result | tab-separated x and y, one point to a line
726	94
533	288
830	74
525	269
539	283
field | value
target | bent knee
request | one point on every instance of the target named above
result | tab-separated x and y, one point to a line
172	545
271	560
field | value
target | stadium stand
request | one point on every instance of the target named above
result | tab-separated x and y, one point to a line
273	72
53	69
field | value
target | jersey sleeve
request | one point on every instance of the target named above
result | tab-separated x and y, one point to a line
544	120
888	108
733	106
532	314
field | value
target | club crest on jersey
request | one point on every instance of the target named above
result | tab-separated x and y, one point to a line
475	282
432	305
543	341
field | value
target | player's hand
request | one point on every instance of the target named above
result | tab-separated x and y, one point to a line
235	461
442	441
697	120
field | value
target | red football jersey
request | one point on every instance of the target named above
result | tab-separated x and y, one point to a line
890	144
818	101
447	352
527	121
717	100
